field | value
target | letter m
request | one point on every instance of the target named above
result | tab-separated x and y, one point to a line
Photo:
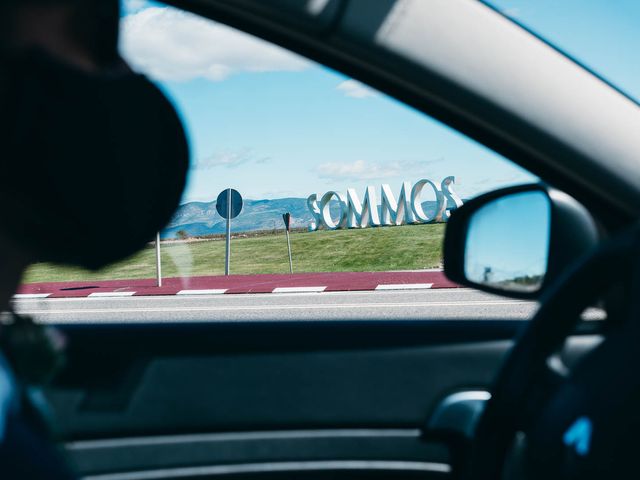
365	214
396	213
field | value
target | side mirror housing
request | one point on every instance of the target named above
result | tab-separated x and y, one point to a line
515	241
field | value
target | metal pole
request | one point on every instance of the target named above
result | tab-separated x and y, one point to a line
158	261
228	255
289	247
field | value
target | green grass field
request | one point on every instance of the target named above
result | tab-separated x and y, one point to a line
409	247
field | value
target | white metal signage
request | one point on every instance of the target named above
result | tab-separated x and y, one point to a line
407	209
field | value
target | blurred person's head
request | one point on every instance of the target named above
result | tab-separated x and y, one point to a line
93	157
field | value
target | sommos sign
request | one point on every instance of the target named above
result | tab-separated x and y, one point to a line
405	210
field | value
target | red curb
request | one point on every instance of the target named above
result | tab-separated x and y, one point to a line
234	284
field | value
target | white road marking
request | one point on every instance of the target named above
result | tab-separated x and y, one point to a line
218	291
31	295
298	289
111	294
404	286
252	296
211	291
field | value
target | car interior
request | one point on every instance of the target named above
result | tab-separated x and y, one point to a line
432	398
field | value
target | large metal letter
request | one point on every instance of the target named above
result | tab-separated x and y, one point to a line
354	209
451	196
325	210
370	215
365	214
312	205
416	202
396	213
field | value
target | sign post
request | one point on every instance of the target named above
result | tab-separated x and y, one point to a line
227	256
158	262
287	224
228	205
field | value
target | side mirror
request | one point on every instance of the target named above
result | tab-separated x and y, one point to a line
515	241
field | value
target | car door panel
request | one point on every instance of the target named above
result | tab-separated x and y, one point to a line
220	394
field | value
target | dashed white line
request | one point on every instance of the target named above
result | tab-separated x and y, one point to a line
404	286
31	295
298	289
254	296
210	291
220	291
112	294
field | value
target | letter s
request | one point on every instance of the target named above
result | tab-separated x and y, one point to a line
312	205
451	197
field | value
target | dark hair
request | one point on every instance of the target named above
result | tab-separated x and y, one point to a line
91	164
95	24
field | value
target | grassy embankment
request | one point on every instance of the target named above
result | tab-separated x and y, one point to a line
409	247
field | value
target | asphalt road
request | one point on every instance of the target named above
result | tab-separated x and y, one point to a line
371	305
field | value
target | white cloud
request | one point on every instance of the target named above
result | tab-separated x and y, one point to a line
271	194
229	159
358	170
355	89
361	170
169	44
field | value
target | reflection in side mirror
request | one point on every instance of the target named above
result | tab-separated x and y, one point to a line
507	242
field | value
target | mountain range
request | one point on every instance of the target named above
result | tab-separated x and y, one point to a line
201	218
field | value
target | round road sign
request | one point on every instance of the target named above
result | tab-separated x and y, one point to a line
229	197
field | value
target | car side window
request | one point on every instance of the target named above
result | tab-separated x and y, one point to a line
364	183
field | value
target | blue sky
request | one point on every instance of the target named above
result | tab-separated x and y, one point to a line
272	124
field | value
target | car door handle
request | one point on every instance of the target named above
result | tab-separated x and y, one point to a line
459	413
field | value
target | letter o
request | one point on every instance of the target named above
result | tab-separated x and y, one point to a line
416	201
325	210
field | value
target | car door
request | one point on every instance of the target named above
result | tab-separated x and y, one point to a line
209	396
